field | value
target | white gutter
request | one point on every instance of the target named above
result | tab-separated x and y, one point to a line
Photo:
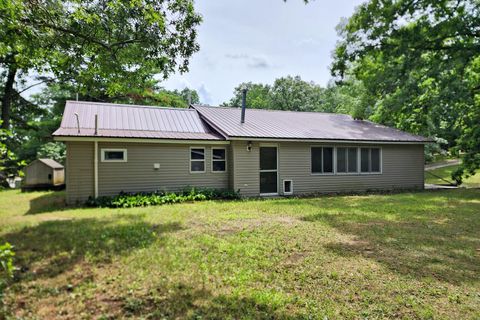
140	140
326	141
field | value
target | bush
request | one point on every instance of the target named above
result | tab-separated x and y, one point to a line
143	199
6	269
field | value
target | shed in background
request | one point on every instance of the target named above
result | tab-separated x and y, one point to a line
44	173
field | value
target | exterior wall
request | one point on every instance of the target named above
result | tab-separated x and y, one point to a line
58	176
79	171
37	173
137	174
402	168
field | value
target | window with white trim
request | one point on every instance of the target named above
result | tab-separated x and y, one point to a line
322	160
114	155
347	160
197	159
370	160
219	159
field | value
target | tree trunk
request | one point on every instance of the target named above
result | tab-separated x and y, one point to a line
8	96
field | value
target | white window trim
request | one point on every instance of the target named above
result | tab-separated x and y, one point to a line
370	161
113	150
355	173
291	187
269	170
198	160
334	159
226	164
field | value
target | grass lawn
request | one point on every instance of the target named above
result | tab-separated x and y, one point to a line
446	174
411	255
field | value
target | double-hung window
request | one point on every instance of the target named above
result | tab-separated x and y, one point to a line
370	160
197	159
219	160
347	160
322	160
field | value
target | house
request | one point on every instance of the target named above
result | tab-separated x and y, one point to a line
113	148
44	173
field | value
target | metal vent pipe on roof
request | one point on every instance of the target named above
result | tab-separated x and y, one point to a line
244	104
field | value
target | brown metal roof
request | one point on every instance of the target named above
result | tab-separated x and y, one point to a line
275	124
132	121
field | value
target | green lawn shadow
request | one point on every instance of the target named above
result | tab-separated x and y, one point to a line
54	247
421	235
49	202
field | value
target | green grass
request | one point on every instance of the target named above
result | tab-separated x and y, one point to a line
446	174
411	255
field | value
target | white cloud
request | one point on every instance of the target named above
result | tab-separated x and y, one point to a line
204	94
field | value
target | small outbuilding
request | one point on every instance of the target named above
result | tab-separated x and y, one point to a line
44	173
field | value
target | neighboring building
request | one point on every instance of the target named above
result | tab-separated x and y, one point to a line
113	148
43	173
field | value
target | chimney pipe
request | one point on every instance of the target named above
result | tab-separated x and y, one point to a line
244	104
78	122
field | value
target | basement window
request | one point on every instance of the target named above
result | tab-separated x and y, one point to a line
287	187
114	155
197	160
219	160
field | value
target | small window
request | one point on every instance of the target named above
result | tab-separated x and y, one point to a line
49	176
114	155
287	187
322	160
197	159
219	160
370	161
346	160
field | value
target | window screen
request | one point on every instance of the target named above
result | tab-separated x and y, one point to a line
218	160
197	160
322	159
370	160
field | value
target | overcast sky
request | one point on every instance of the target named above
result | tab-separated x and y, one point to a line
259	41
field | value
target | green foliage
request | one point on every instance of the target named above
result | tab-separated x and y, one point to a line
53	150
6	269
419	63
130	200
433	150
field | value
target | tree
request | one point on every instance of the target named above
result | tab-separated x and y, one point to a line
94	46
286	93
419	61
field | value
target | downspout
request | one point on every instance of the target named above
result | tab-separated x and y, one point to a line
95	160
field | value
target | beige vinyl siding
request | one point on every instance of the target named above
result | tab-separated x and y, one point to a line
246	175
138	173
402	168
79	171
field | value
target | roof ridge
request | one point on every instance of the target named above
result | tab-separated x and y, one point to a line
272	110
129	105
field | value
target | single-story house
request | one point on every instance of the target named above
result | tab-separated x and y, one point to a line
113	148
44	173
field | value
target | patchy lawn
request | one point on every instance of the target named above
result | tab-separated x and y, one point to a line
446	174
412	255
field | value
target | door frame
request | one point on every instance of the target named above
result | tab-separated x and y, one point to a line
271	145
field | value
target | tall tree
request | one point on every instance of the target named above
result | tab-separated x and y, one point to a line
102	48
420	61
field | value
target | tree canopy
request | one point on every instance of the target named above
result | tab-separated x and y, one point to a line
102	48
419	62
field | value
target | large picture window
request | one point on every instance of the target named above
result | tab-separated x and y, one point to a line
197	160
347	160
370	160
219	160
322	160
